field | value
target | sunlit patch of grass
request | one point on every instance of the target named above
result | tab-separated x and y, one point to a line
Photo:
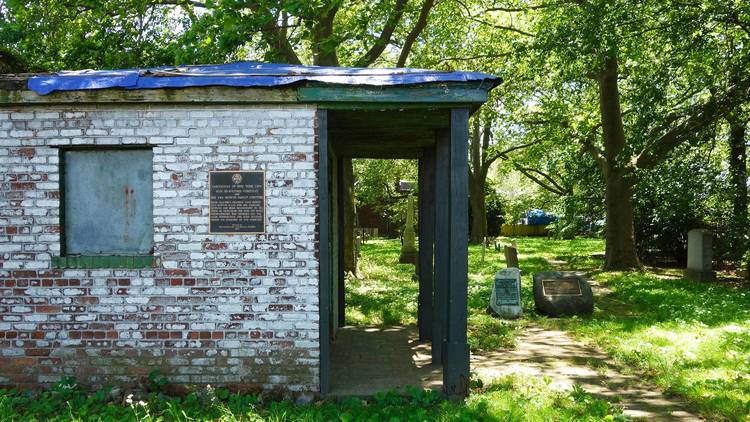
385	294
516	398
691	339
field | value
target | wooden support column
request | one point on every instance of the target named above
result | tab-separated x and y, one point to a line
324	251
426	243
456	350
341	243
442	241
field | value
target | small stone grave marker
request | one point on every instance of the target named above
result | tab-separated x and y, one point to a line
700	256
559	293
506	293
511	257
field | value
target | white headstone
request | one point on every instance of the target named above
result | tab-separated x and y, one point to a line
506	293
700	255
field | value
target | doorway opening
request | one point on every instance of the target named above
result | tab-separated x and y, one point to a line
376	345
383	353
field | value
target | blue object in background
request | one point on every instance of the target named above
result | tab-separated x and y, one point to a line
537	217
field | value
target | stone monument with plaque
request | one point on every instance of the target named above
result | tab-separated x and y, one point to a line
505	300
559	293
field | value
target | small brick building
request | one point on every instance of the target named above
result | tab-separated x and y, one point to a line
123	251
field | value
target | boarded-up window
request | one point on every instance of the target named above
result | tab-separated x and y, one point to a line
108	202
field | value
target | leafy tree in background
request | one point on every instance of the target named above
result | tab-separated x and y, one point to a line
737	163
376	186
43	35
629	82
597	95
56	34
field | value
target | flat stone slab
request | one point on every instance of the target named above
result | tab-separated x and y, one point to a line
562	293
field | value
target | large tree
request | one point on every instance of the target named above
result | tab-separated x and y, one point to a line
54	34
628	81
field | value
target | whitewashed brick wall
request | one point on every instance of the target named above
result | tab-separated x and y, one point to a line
236	310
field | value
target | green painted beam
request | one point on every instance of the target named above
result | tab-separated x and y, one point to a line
103	261
388	95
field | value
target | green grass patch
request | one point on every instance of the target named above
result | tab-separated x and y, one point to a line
386	294
691	339
508	399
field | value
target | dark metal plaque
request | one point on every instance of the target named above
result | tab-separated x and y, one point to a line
237	202
506	291
565	286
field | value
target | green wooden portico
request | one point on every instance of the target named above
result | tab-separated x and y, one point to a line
428	123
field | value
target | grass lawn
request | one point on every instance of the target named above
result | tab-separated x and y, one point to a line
508	399
691	339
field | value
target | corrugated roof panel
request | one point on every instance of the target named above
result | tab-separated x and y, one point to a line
245	74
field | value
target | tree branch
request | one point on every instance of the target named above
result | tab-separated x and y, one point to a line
181	3
587	145
467	58
503	27
527	8
504	153
419	26
324	44
554	188
385	36
699	117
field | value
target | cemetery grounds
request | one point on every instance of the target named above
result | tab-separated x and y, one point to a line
690	340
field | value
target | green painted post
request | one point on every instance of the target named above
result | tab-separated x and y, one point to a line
341	242
324	282
442	240
426	243
456	368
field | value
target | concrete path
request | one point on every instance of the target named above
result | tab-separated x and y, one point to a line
555	354
368	360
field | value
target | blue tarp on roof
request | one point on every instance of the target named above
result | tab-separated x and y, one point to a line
244	74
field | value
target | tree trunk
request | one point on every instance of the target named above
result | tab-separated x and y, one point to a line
738	180
478	210
620	251
350	215
620	241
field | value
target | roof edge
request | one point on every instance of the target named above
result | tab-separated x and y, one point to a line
245	74
352	96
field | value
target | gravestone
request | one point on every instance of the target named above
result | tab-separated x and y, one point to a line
408	246
506	293
511	257
700	256
559	293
